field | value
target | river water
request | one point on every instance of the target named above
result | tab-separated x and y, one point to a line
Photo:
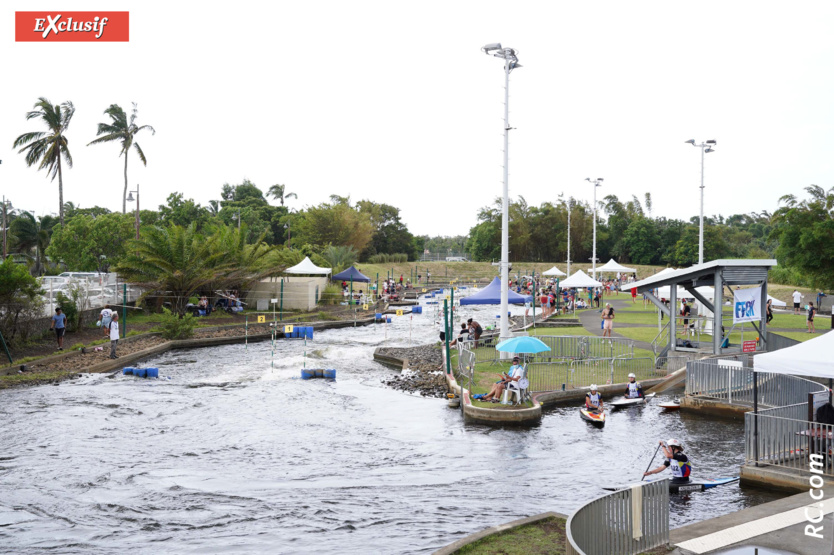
230	453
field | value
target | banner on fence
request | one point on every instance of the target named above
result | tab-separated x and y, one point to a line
748	305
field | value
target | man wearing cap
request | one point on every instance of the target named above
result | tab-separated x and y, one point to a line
633	388
675	460
509	379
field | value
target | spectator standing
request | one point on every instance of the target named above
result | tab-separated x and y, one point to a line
633	295
428	276
811	313
59	324
608	320
114	335
769	310
797	298
106	316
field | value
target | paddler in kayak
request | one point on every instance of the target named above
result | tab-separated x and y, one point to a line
593	400
675	460
633	388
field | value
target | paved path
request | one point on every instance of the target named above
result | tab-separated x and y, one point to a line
591	322
778	525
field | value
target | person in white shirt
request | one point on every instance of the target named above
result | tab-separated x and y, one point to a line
509	379
114	335
106	318
797	299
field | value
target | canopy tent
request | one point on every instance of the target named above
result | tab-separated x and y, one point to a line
811	358
307	267
352	273
776	302
491	294
613	266
554	271
580	279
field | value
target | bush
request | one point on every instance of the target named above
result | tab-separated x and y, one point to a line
174	327
397	258
332	294
785	275
20	302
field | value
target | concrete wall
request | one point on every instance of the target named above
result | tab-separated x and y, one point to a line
299	292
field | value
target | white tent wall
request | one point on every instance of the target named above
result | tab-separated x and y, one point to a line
299	292
811	358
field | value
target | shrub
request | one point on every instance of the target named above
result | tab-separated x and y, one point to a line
785	275
174	327
332	294
382	258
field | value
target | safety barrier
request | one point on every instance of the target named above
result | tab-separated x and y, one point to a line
581	347
566	373
776	342
624	522
671	364
794	444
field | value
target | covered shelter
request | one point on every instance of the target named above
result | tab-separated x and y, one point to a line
716	273
810	358
554	271
352	274
580	279
307	268
491	294
613	266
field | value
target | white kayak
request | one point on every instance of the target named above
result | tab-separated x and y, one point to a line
623	402
671	405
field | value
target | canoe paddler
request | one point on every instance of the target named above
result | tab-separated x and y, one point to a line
593	400
676	461
633	388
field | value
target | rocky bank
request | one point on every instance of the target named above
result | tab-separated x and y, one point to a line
423	374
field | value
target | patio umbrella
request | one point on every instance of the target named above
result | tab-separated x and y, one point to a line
522	344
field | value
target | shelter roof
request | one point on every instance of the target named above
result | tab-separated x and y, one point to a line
735	272
306	266
613	266
580	279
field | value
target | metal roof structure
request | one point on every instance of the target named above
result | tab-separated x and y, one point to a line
734	272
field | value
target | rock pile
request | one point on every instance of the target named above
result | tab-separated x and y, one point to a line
423	375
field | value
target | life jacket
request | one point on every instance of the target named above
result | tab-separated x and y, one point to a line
680	470
633	390
593	399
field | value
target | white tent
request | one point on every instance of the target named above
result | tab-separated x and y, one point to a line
554	271
613	266
307	267
811	358
580	279
777	302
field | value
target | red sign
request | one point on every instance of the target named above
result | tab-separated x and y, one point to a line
749	346
72	26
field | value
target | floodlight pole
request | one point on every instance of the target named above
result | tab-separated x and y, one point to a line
569	207
706	147
596	183
510	63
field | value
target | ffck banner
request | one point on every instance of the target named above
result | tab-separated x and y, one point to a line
747	305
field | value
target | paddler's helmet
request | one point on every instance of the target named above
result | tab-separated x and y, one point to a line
593	387
632	375
674	443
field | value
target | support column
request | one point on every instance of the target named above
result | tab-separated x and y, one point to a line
718	306
673	313
763	332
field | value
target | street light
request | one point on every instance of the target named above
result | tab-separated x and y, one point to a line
237	217
130	199
288	227
597	183
706	148
510	58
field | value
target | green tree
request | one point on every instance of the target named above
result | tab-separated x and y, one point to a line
123	130
32	236
278	193
246	201
390	235
336	224
339	257
643	241
182	212
88	243
20	298
47	148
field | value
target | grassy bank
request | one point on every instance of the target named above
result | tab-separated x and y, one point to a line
546	537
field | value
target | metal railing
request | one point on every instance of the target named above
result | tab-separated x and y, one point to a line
661	341
566	373
624	522
731	382
671	364
790	443
581	347
776	342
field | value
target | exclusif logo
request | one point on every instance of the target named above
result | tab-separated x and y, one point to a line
72	26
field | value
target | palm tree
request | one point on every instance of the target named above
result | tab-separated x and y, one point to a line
32	234
277	192
125	131
47	148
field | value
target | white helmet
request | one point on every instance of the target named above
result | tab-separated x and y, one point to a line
593	387
631	375
674	443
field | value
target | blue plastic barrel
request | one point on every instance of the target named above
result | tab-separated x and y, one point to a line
417	310
310	332
140	372
378	316
127	371
152	372
388	320
308	374
319	372
330	374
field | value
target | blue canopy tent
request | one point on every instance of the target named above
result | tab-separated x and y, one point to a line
491	294
352	274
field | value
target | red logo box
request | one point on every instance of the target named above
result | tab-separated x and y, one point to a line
62	26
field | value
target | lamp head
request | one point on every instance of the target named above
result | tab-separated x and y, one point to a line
491	47
711	142
599	179
708	150
690	141
588	179
130	196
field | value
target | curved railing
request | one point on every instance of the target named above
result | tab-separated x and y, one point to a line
624	522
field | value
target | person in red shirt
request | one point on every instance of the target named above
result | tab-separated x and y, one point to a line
633	295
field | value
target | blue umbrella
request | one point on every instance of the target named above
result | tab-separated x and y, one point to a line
522	344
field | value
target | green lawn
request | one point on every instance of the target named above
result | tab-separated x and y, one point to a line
800	335
639	334
546	537
573	330
793	321
649	318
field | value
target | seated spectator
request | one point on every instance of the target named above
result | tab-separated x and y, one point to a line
463	335
510	379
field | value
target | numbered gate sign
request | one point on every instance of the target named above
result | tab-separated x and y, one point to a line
287	329
399	313
261	318
364	307
424	290
448	297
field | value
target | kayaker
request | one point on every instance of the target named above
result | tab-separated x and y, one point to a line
633	388
593	399
675	460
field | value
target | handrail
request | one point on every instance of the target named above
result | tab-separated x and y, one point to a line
662	336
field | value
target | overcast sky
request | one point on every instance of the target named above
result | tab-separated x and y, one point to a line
395	102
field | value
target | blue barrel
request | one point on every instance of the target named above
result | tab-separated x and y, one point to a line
319	372
140	372
417	310
308	374
378	316
310	332
330	374
128	371
152	372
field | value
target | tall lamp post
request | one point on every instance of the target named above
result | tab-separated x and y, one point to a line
130	199
706	147
288	227
510	63
596	183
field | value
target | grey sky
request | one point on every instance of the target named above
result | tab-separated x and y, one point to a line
395	102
